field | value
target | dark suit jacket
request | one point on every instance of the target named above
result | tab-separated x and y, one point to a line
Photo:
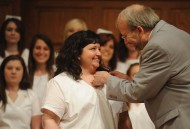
163	81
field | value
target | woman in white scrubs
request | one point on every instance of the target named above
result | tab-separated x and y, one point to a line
70	101
40	63
12	39
19	106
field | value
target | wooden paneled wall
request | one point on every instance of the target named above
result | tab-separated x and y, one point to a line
50	16
9	7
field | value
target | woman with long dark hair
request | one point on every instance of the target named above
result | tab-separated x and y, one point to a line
12	39
40	63
19	105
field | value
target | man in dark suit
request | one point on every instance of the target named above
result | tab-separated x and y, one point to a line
163	81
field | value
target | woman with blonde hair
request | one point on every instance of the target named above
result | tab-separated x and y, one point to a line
72	26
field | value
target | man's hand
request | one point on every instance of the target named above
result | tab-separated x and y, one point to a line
100	78
120	75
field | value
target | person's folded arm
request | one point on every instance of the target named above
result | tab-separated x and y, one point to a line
50	120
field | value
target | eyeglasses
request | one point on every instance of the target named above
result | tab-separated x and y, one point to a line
125	36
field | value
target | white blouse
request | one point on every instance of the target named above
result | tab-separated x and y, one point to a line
39	85
75	102
24	55
18	114
117	108
139	117
124	66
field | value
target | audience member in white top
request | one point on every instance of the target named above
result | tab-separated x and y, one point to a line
137	111
108	45
12	39
73	26
108	49
127	54
40	63
70	101
19	106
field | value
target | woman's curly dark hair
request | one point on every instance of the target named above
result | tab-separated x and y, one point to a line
68	57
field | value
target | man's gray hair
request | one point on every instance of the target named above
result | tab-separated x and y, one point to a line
139	15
